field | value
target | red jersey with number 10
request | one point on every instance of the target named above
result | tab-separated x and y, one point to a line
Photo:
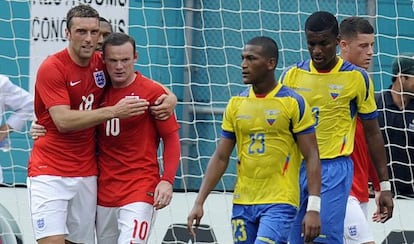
128	165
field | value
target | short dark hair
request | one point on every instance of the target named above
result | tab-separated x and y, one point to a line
118	39
269	46
102	19
322	21
352	26
81	10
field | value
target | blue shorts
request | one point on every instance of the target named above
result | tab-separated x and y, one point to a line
337	175
263	223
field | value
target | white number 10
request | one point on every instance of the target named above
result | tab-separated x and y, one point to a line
112	127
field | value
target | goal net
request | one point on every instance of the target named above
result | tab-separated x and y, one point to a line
194	48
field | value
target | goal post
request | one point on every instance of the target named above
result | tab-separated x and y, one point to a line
194	48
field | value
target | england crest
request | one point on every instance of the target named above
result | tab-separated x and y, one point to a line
40	224
99	77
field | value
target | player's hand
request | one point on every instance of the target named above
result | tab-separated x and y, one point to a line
311	226
163	194
386	206
4	131
194	218
164	106
129	106
37	130
377	216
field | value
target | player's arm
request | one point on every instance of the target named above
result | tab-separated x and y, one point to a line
67	119
20	102
376	149
171	158
215	169
164	105
309	148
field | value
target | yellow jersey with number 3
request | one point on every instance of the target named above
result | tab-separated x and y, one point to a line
269	158
335	98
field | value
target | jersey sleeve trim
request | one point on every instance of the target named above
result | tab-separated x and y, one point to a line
228	134
369	116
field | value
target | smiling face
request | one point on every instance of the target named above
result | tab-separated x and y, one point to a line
83	37
322	48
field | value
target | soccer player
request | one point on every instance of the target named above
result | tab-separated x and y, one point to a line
162	109
105	28
396	120
62	167
337	92
164	106
19	102
357	46
130	189
272	127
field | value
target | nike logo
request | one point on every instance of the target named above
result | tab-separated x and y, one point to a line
74	83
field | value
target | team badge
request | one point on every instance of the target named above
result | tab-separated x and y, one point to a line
40	224
271	115
99	77
352	231
335	90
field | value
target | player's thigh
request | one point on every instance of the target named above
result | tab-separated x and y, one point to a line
244	224
82	211
135	222
276	221
49	197
337	177
356	227
107	231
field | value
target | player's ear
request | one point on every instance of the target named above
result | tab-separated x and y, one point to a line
136	56
272	63
342	43
67	33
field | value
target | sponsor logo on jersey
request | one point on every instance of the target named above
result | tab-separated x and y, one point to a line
74	83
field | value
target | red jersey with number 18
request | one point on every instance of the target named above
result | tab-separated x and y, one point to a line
60	81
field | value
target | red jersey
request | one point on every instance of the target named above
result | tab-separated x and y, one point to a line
60	81
363	166
128	165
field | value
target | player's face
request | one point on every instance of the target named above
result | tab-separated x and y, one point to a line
120	62
407	83
322	49
358	50
255	65
83	37
104	31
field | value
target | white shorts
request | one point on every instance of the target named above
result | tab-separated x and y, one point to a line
63	206
356	227
131	223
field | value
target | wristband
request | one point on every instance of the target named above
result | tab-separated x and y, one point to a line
314	203
385	186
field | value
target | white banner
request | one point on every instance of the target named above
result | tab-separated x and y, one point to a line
48	24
